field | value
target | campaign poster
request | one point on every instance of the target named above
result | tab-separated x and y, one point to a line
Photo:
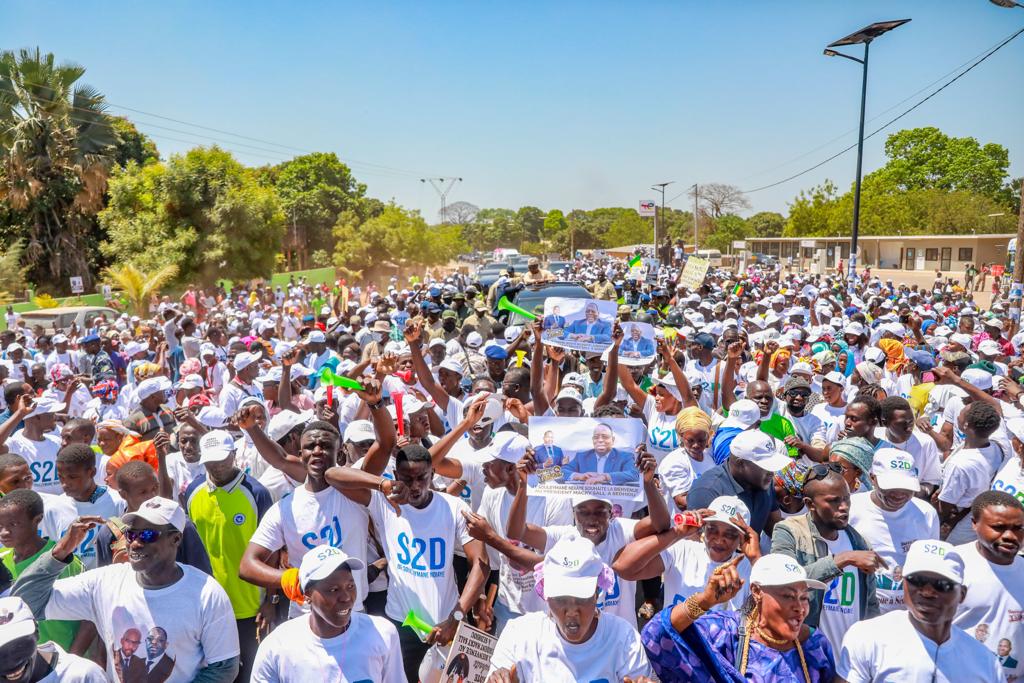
578	324
694	272
638	346
587	455
469	657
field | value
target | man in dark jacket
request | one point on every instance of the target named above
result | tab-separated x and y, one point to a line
831	551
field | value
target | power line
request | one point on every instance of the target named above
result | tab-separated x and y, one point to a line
893	120
350	162
873	118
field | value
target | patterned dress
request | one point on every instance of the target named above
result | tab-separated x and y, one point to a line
709	651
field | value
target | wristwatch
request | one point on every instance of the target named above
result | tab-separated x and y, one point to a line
458	615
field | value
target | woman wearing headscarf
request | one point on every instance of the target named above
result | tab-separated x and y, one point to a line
844	358
766	640
855	455
681	467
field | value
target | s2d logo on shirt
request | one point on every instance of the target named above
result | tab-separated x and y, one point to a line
841	590
330	534
44	472
664	439
239	519
1000	485
465	494
411	553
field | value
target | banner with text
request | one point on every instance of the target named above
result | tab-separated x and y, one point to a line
585	455
469	658
694	272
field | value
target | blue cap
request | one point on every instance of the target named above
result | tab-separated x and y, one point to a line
89	339
705	340
495	352
434	291
429	307
922	359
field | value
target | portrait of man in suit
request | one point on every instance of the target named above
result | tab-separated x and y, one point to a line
158	665
548	454
1003	651
555	320
129	667
635	345
590	328
602	464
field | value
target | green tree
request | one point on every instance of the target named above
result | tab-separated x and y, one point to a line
132	144
314	190
202	211
554	225
726	229
492	228
766	224
531	222
12	273
395	235
926	158
56	148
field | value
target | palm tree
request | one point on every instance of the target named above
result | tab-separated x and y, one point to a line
139	287
56	146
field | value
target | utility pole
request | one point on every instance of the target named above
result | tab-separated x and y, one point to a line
696	198
660	187
442	189
1017	285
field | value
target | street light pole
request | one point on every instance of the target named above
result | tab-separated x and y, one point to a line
863	36
660	187
696	197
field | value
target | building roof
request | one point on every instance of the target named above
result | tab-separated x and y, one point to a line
884	238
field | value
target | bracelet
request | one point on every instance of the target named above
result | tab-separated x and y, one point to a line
377	406
380	485
693	608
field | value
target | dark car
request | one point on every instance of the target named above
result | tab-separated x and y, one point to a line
533	295
489	274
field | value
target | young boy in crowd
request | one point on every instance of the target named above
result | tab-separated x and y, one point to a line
76	469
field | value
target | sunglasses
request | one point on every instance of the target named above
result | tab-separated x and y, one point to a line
821	471
145	536
940	585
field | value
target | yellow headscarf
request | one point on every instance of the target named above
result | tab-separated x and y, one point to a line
895	358
693	419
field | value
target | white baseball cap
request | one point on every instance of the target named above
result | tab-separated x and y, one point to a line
854	328
286	421
570	393
16	620
216	446
316	336
358	431
322	561
874	354
59	339
977	378
571	569
148	387
776	569
212	417
760	449
507	446
724	508
835	377
207	350
158	511
742	414
452	365
989	348
895	469
190	381
244	360
474	340
580	498
937	557
669	383
43	406
494	410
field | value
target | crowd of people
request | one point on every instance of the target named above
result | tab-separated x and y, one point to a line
325	482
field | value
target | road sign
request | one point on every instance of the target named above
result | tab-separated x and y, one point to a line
108	293
739	244
77	286
647	207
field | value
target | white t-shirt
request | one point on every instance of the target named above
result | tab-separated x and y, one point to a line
59	512
194	613
41	457
106	503
687	569
831	421
890	535
182	472
923	450
840	606
1010	478
966	473
993	609
535	646
661	431
707	372
472	473
620	600
367	651
305	520
515	587
70	668
888	649
806	425
420	546
678	471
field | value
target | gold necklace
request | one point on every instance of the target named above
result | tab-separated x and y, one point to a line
774	642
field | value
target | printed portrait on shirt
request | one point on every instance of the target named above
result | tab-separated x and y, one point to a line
141	656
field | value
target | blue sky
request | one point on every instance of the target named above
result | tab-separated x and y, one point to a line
566	104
